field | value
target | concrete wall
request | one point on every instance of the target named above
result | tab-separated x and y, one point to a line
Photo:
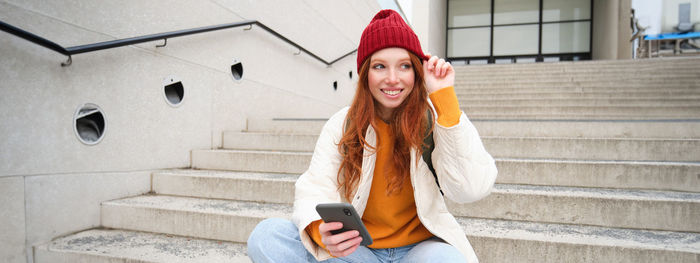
648	14
52	184
670	14
430	24
611	30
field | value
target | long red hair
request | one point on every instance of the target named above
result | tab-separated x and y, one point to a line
408	124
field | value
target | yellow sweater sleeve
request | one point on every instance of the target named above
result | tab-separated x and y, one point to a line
446	106
314	233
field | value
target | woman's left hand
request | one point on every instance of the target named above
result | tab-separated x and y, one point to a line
438	74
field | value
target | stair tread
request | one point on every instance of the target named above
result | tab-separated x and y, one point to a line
507	137
546	232
259	151
605	193
147	247
582	161
584	139
498	159
229	174
578	234
205	205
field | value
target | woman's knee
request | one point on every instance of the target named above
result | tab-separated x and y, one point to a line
434	251
270	229
272	239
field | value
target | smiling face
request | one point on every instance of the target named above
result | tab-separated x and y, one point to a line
390	79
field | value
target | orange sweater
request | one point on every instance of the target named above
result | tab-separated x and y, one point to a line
392	220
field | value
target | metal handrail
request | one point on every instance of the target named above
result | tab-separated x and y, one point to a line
147	38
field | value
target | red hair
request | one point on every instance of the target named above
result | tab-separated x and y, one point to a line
408	124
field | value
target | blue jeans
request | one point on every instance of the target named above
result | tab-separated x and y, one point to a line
277	240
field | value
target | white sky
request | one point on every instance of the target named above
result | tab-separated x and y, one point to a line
648	12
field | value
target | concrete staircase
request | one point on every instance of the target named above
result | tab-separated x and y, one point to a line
611	90
598	162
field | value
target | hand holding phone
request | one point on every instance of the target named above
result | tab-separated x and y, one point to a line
344	213
339	245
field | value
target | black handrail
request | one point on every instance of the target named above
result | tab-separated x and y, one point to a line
33	38
147	38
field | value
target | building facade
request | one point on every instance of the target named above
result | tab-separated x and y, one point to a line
509	31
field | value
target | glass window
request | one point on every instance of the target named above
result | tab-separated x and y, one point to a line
526	60
469	13
515	40
469	42
479	62
566	37
516	11
562	10
479	29
504	61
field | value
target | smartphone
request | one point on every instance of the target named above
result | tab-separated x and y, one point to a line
346	214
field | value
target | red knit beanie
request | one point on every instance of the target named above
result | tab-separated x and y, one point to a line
387	29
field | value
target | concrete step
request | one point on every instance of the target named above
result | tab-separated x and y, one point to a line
627	74
568	88
624	208
581	79
644	73
680	150
589	129
580	66
636	209
590	65
251	161
518	147
500	233
554	95
582	173
269	141
533	70
525	128
514	241
585	81
111	245
672	68
584	112
242	186
683	64
493	241
574	117
660	71
286	126
604	174
225	220
599	102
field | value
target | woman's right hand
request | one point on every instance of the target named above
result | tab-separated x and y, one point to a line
342	244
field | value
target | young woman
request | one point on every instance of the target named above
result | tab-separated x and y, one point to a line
370	155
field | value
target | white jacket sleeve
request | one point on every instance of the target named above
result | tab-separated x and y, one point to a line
319	183
465	171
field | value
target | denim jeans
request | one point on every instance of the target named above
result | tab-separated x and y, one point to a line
277	240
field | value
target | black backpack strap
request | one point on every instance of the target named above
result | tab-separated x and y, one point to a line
428	147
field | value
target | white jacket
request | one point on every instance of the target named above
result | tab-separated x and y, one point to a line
465	170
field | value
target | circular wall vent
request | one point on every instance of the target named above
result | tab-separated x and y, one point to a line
173	90
237	70
89	124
